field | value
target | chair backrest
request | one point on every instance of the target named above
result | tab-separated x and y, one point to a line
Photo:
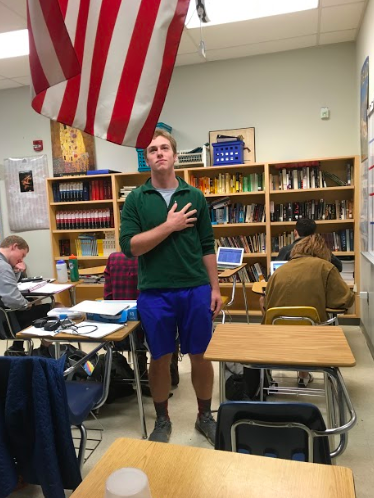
34	426
281	430
292	315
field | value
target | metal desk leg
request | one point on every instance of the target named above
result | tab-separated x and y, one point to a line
244	294
138	386
57	350
222	384
73	300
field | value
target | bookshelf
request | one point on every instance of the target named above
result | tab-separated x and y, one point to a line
215	183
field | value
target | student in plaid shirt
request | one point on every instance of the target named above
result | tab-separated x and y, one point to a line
121	277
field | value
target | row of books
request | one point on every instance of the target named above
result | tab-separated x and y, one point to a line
226	183
342	240
93	190
87	219
124	191
91	245
238	213
307	177
250	243
251	273
314	210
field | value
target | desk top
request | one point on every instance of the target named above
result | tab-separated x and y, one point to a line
320	346
118	335
186	472
230	272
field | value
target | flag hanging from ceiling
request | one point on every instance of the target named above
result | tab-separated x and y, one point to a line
104	66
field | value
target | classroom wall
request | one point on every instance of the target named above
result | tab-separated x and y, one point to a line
365	47
279	94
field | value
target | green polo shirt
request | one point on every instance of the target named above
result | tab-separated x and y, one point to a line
177	261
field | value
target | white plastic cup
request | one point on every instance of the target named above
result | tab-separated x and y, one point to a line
127	482
62	271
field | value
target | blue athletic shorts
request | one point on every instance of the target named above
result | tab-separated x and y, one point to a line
165	312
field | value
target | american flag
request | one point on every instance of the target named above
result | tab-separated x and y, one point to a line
104	66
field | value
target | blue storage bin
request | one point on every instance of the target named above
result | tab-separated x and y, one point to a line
142	165
228	153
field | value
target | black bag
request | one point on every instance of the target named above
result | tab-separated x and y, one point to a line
120	374
246	386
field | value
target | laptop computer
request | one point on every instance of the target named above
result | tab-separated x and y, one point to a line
274	265
229	257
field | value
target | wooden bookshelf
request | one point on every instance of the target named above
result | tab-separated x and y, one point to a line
270	229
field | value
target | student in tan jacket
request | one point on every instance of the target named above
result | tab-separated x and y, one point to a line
309	279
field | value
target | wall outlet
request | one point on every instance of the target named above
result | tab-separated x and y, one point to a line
325	113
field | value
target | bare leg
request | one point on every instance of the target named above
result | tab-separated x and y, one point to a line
202	376
159	378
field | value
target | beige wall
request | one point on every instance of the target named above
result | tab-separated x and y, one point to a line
279	94
365	47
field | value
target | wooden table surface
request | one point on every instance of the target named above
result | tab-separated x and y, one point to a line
280	345
118	335
230	272
186	472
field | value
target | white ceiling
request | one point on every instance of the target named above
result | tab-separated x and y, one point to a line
334	21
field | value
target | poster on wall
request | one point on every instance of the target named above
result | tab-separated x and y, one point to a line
364	102
26	192
73	151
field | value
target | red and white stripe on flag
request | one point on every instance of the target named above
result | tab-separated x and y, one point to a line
104	66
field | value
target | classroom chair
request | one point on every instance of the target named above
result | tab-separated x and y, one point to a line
9	326
292	431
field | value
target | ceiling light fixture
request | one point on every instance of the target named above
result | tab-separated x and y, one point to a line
222	11
14	44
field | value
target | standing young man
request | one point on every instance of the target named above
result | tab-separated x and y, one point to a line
166	223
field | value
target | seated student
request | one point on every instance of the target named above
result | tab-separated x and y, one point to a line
303	228
121	281
308	279
13	250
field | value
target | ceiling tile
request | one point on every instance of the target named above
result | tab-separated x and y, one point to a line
18	6
258	30
262	48
337	36
23	80
187	46
187	59
4	84
341	17
15	67
10	21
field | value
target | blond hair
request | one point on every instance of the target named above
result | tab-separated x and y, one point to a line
15	239
162	133
313	245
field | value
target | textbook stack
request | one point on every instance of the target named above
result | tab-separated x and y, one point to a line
124	191
348	271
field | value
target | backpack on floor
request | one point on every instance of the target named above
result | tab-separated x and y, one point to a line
243	383
120	374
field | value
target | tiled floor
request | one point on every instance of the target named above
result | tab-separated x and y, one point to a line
121	419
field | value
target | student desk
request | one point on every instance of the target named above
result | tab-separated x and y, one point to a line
234	273
186	472
297	347
39	294
127	330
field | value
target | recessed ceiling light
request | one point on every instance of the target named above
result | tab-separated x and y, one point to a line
222	11
14	43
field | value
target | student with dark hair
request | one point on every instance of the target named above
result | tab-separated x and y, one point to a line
308	279
304	228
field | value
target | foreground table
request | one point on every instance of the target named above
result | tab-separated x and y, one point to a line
127	330
186	472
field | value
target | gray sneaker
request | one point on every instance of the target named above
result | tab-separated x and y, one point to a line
161	432
207	426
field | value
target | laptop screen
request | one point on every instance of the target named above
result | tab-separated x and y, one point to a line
274	265
231	256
